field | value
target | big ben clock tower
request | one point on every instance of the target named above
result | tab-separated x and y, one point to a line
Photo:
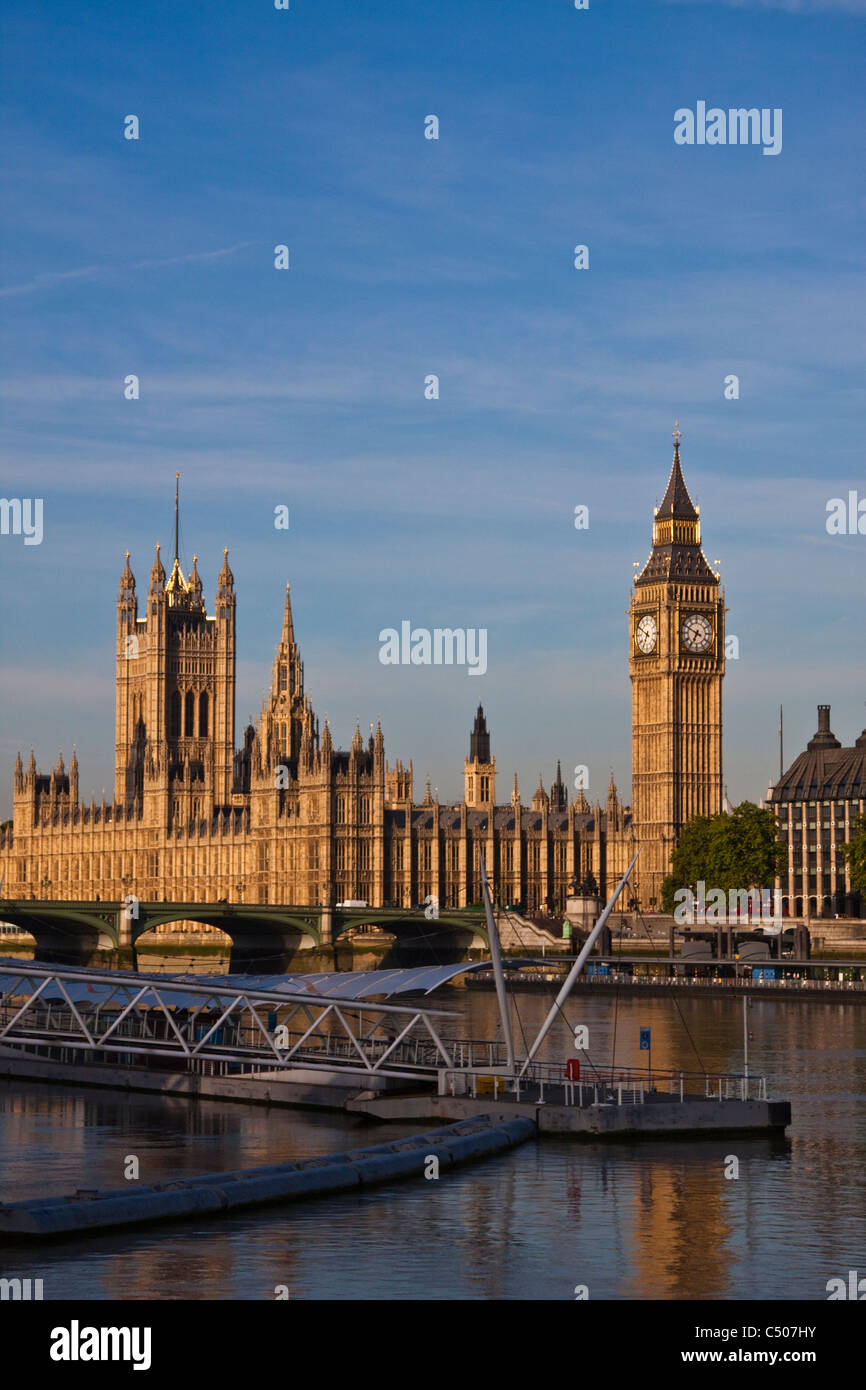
677	663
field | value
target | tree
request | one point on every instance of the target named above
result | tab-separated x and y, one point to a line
736	851
855	853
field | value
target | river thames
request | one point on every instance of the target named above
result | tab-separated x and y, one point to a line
657	1220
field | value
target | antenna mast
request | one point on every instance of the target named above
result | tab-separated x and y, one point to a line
176	478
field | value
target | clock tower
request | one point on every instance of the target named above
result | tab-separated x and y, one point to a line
677	664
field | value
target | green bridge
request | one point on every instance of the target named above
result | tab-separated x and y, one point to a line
79	930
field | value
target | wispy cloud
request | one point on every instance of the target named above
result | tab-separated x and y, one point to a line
51	279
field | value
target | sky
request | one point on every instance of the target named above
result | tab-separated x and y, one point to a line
411	257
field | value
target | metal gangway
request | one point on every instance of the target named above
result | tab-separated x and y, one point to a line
77	1015
326	1023
69	1013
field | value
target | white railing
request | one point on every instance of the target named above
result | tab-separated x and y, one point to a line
546	1082
725	982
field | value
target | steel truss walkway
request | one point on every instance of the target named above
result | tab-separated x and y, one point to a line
46	1008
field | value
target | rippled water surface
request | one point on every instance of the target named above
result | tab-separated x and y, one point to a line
630	1221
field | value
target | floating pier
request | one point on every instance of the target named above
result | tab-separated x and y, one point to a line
618	1114
222	1193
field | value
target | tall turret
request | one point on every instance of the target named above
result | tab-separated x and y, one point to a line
479	769
677	664
174	743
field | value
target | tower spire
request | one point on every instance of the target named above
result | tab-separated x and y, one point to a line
676	552
676	502
176	514
288	636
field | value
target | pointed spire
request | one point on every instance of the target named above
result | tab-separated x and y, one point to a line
127	579
176	588
226	579
581	805
31	764
194	584
558	794
515	792
676	543
176	515
540	799
379	741
288	636
357	741
676	501
327	743
479	739
19	766
157	573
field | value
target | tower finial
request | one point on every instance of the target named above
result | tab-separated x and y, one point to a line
677	434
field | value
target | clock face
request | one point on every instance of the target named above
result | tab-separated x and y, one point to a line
696	632
646	633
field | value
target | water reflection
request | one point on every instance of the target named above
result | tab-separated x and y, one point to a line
631	1221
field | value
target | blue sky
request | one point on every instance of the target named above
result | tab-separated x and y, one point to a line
454	257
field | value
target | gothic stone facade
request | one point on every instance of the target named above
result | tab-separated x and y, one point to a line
677	664
289	818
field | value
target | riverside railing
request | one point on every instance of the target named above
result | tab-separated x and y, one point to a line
546	1082
726	982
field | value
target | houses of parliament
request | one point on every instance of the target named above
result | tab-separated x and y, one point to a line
290	818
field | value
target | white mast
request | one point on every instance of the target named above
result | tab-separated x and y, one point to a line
577	967
496	958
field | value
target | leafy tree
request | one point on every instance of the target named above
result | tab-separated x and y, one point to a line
669	887
729	851
855	853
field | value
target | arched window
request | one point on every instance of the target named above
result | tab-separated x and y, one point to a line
189	713
174	715
202	714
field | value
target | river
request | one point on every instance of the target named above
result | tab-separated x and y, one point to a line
657	1220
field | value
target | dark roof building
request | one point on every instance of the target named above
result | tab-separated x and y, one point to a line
815	802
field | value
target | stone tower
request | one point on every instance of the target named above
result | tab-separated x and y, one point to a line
284	713
677	664
479	769
175	684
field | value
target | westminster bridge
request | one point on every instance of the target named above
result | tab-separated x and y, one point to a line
79	931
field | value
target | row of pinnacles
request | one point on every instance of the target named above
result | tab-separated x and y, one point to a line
287	817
